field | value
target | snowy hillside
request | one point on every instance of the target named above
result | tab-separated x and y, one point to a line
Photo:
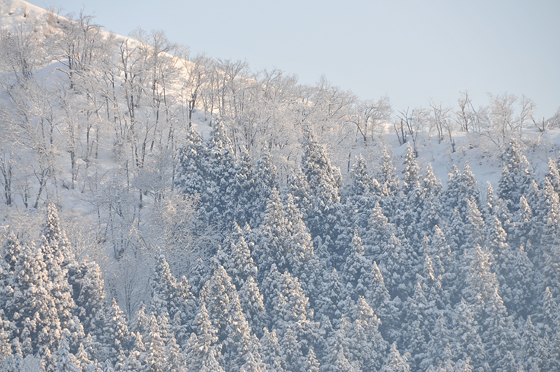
14	12
166	212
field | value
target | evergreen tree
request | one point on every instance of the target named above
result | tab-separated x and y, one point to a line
360	198
525	225
238	348
411	172
292	357
417	320
5	338
461	186
291	309
89	291
190	178
117	337
265	182
270	351
238	261
201	349
396	362
65	360
216	295
431	205
252	304
468	344
516	176
551	320
62	268
529	352
312	364
368	346
438	350
549	257
386	176
328	300
31	307
324	181
357	270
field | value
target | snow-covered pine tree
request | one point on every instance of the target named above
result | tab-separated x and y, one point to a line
368	346
516	175
359	198
201	349
65	360
324	182
270	351
62	268
396	362
216	295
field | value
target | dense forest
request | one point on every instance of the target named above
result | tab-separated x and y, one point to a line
168	213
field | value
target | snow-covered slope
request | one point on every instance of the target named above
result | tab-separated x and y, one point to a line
14	12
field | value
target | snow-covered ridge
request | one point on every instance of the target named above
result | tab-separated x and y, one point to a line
13	12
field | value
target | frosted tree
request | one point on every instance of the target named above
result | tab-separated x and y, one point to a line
312	364
368	346
238	261
500	334
380	300
386	176
360	198
438	344
324	180
238	347
548	257
31	306
253	364
265	182
516	175
251	301
396	362
328	299
357	270
90	298
291	309
216	295
219	166
117	337
190	178
173	299
160	351
65	360
461	186
521	298
525	225
430	201
529	351
551	321
201	349
467	342
5	338
299	250
62	268
292	356
270	351
411	172
418	316
404	217
443	262
271	234
283	238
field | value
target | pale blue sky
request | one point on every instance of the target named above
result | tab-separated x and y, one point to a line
410	50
